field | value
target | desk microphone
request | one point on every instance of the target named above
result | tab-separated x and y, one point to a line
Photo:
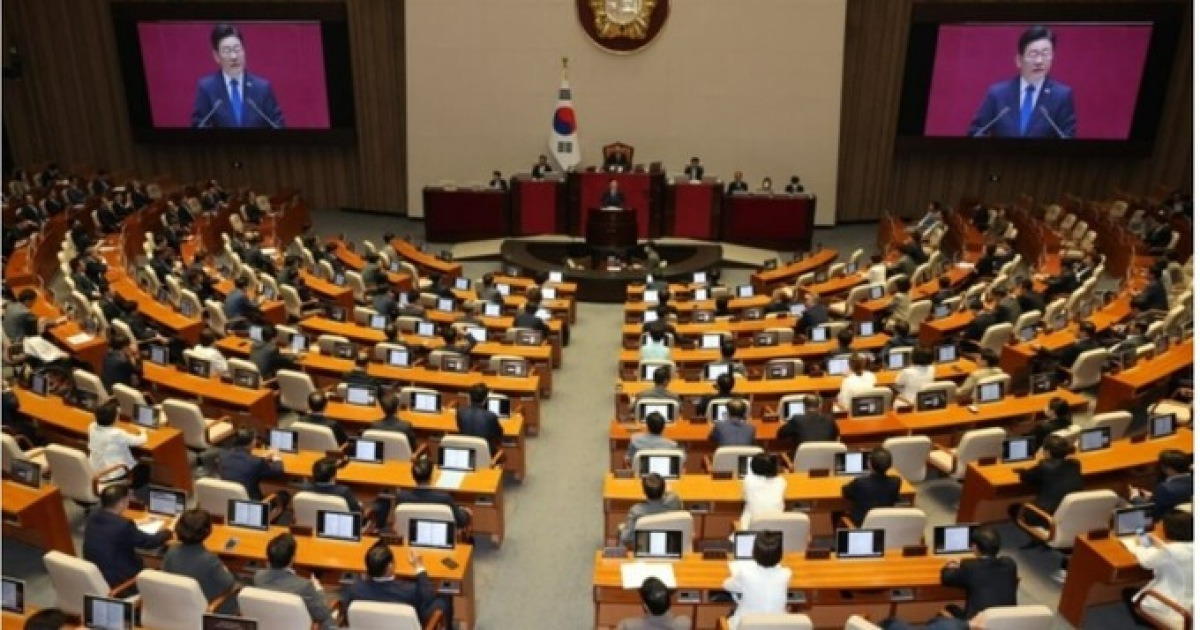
210	113
1046	115
985	128
274	125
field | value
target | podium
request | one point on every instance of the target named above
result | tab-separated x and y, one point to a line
586	189
777	221
611	229
694	208
538	205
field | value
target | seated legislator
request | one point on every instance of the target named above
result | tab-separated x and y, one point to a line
662	376
267	356
728	350
380	585
498	182
990	367
815	313
1085	341
1051	480
794	187
762	489
652	438
122	364
724	389
694	171
655	346
422	472
238	305
734	430
1171	560
612	196
1058	417
760	587
875	489
477	420
324	471
240	465
528	318
1176	487
738	185
1028	299
1153	297
900	306
858	380
206	349
108	446
813	425
191	559
658	500
390	404
1008	308
16	312
317	401
781	301
358	376
111	540
911	379
280	577
656	601
902	337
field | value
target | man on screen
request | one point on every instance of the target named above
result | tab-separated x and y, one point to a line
1031	105
232	97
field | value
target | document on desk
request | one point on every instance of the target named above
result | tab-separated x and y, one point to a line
633	574
450	479
150	526
79	338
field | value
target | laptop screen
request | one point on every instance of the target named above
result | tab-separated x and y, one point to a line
876	292
186	309
781	370
940	311
426	329
838	366
454	363
743	545
649	543
12	595
819	333
555	277
649	370
249	514
529	338
477	333
1162	425
26	473
336	313
949	539
850	463
213	621
363	450
947	353
445	305
283	440
699	277
460	459
667	466
866	329
866	406
298	342
426	402
502	407
793	408
797	309
343	350
549	293
243	377
462	284
159	355
766	338
745	290
928	401
145	416
166	501
989	392
860	543
1028	333
430	534
1133	520
711	341
713	370
503	289
360	395
514	367
107	613
339	525
378	322
398	357
1094	439
39	384
492	309
700	295
650	297
199	367
645	408
649	317
256	333
1018	449
1042	382
897	360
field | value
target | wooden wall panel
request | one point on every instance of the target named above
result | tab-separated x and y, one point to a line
873	178
70	107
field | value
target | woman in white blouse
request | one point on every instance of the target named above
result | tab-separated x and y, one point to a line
760	588
858	380
1171	562
762	488
911	379
108	446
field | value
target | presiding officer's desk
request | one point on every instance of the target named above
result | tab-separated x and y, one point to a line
164	445
1100	570
716	504
430	427
36	517
211	393
828	590
692	361
482	490
1121	390
767	279
989	490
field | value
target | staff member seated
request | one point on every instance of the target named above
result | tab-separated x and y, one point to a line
477	420
656	601
658	500
323	472
991	367
242	466
813	426
191	559
734	431
422	472
1171	560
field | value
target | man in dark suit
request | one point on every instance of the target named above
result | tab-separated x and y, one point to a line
794	187
390	404
616	162
232	97
381	585
612	196
238	464
1007	307
1052	479
267	356
815	314
498	182
1154	296
1086	341
1028	299
734	431
111	541
323	472
694	170
1058	417
1031	105
737	185
811	426
422	472
1175	489
988	579
475	419
876	489
528	318
358	376
542	168
316	415
281	551
121	364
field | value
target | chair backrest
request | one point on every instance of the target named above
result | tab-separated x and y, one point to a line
314	437
73	578
89	382
856	622
1004	380
327	343
242	364
186	417
291	300
796	528
1026	319
192	302
858	294
274	609
395	445
675	521
1087	369
170	602
1116	421
72	473
726	458
368	615
404	513
1081	512
213	495
10	451
305	506
216	317
902	526
910	455
978	443
357	287
294	388
816	455
127	397
642	455
775	621
996	336
919	312
1029	617
124	328
483	452
797	366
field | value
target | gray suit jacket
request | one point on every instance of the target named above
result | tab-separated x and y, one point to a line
206	568
669	503
656	622
285	581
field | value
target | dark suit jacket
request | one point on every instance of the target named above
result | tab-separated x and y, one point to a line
1152	298
337	490
694	171
1045	428
268	359
321	419
1171	493
110	542
870	491
419	593
117	368
435	497
480	422
813	426
736	186
988	582
248	469
1057	98
212	88
540	170
1052	480
206	568
612	199
812	318
525	320
983	320
731	433
1031	302
1072	352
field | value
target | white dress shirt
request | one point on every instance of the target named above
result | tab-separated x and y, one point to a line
109	446
214	358
763	495
758	590
877	274
41	349
1172	566
911	379
852	384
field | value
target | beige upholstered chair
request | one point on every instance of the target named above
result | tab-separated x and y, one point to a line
816	456
72	578
274	609
975	444
1079	513
795	526
1031	617
910	455
902	526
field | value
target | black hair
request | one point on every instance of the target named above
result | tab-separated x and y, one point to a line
112	495
244	437
653	486
221	31
106	414
764	465
655	422
990	358
389	403
324	470
903	285
1032	34
727	349
737	408
881	460
724	383
1056	446
986	540
478	394
662	376
378	558
1178	526
422	470
317	401
901	328
281	550
1175	459
922	356
656	597
193	526
768	548
47	619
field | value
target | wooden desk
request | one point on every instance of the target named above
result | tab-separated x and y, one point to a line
1123	389
988	490
482	491
1015	358
522	391
432	426
566	289
91	350
766	280
836	287
631	333
425	262
162	314
869	309
164	445
328	291
256	405
717	504
934	331
1100	570
634	310
755	356
832	589
273	311
14	621
353	260
37	517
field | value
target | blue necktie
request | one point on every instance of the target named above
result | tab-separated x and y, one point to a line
1026	108
235	101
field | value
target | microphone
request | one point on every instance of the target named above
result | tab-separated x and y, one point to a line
1046	115
985	128
210	113
274	125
